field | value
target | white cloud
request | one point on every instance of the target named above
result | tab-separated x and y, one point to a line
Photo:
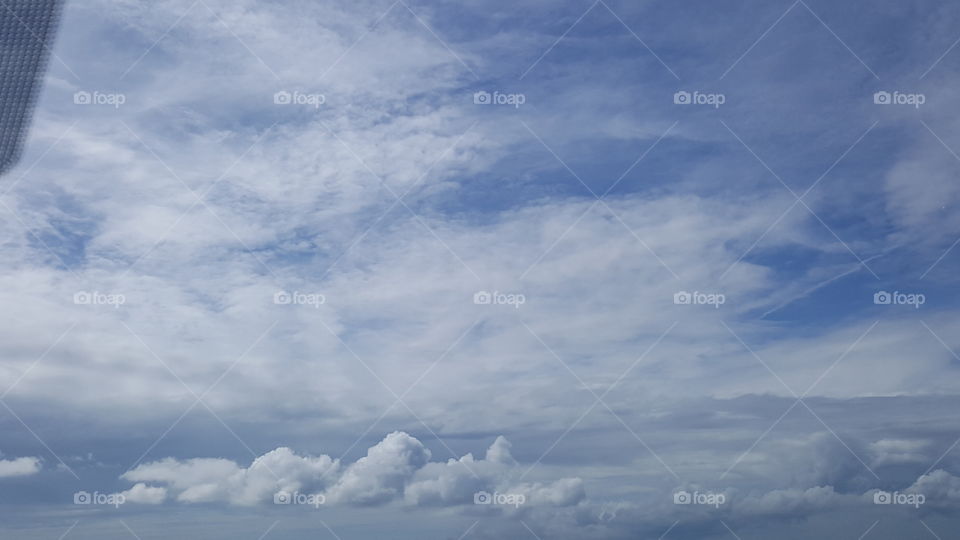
398	468
382	473
208	480
22	466
142	494
563	492
899	451
458	480
941	488
792	502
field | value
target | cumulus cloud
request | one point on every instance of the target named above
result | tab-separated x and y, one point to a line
22	466
458	480
563	492
382	473
940	488
789	501
210	480
398	468
898	451
142	494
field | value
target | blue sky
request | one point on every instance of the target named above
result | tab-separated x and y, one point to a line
248	247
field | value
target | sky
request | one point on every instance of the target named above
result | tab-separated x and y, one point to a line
470	270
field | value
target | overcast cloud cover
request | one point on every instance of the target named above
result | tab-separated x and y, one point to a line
486	269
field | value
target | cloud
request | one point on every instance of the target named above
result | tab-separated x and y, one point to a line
789	502
22	466
211	480
458	480
941	489
382	473
563	492
899	451
398	468
142	494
